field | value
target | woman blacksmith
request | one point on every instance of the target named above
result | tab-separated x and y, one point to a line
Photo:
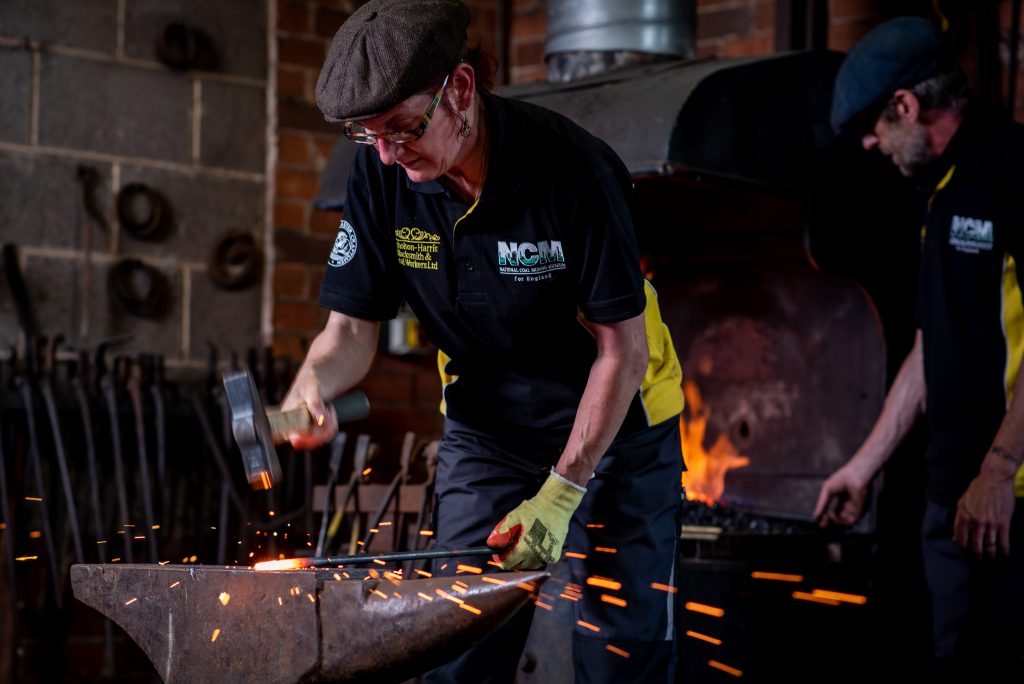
507	230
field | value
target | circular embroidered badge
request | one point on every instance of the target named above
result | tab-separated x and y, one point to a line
344	245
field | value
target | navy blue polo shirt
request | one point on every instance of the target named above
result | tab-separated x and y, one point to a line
500	285
970	310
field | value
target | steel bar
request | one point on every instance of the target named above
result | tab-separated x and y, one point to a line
334	466
37	472
396	557
110	397
135	394
46	389
78	386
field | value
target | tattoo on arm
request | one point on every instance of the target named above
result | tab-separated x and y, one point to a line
1013	458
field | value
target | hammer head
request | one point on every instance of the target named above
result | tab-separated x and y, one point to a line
252	430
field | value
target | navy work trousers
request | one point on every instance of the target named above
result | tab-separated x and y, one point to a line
977	604
626	530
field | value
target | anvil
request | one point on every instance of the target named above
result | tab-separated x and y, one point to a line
217	624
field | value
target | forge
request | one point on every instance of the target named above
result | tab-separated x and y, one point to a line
219	624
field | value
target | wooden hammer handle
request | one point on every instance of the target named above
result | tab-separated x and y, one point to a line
347	408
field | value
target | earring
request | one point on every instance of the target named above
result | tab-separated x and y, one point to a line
466	129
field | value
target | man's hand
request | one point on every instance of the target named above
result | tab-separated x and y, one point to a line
982	524
306	392
534	532
841	501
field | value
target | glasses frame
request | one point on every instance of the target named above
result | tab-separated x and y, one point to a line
398	137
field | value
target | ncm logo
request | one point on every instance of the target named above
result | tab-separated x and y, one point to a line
529	254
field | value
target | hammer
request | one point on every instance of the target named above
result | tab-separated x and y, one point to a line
257	430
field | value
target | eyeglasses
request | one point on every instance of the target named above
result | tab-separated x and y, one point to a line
355	132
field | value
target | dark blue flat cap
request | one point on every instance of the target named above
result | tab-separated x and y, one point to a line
387	51
900	53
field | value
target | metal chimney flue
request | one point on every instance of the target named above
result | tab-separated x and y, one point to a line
587	37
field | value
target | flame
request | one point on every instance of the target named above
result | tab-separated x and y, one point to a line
704	479
285	564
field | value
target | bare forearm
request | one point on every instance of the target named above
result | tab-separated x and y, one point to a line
904	403
614	380
340	355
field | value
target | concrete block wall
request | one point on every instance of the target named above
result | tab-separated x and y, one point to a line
82	86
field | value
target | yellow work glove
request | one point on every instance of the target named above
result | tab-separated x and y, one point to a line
534	532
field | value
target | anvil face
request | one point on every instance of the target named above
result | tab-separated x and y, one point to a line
216	624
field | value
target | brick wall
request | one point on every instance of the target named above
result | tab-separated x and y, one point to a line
82	86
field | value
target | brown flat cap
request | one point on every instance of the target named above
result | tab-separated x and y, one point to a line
389	50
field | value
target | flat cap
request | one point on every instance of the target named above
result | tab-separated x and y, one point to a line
899	53
389	50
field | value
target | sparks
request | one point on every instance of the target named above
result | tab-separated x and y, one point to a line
573	554
380	593
175	584
804	596
617	651
131	601
587	625
224	598
426	597
424	573
725	668
604	583
35	534
492	580
471	609
25	558
706	610
614	600
444	594
468	568
605	549
32	498
367	472
703	637
216	633
777	576
840	596
595	526
664	587
541	604
279	601
311	599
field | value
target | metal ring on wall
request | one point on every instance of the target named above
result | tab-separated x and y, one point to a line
138	289
235	260
141	211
